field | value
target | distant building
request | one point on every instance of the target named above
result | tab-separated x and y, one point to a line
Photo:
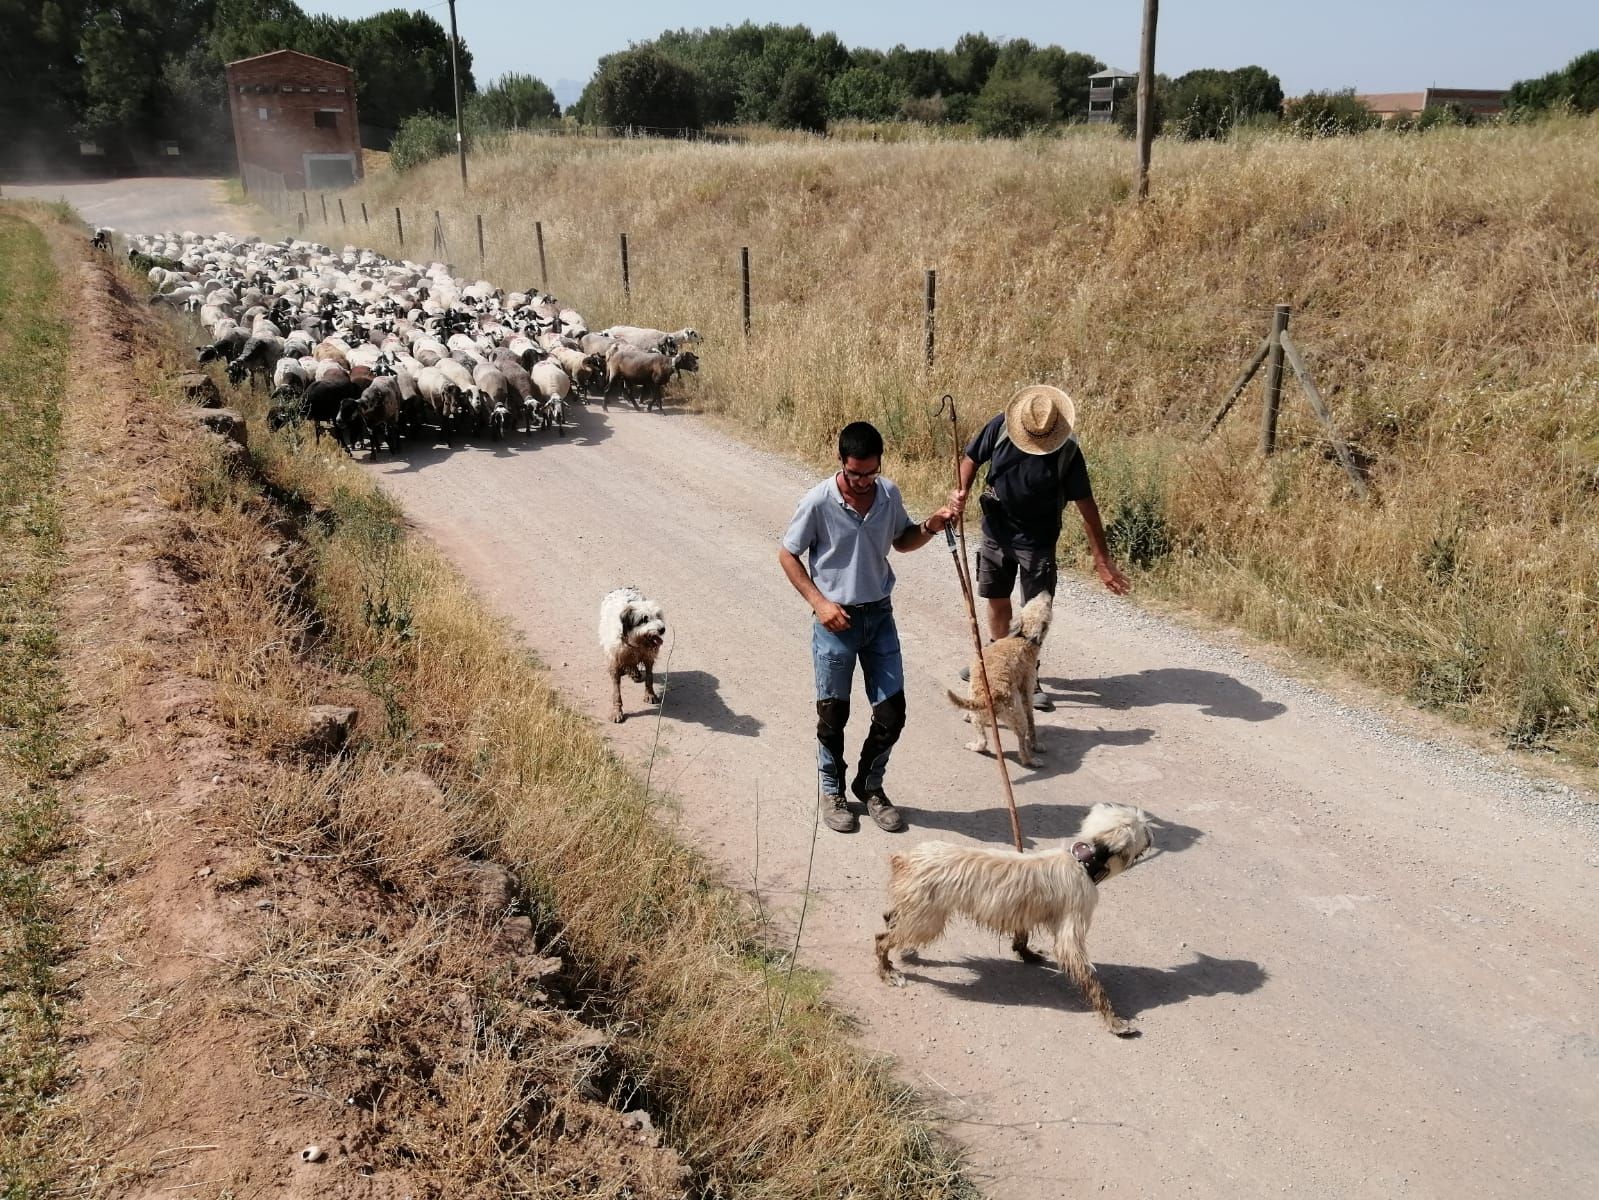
294	116
1484	102
1106	89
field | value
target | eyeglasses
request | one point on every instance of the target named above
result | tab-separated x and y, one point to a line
861	476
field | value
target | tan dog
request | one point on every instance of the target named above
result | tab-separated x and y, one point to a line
1012	664
1013	893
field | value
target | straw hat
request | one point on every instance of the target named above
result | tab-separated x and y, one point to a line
1039	419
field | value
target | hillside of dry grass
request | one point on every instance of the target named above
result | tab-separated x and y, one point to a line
452	952
1443	293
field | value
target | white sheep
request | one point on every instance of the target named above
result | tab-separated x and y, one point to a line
551	386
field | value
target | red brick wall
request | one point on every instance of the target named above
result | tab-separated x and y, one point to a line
291	87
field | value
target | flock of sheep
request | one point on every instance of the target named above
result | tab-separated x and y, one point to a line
377	350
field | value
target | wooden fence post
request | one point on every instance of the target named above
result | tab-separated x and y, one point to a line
1274	382
365	220
544	273
627	283
342	221
1323	414
744	270
930	300
323	196
399	226
305	203
480	241
1237	389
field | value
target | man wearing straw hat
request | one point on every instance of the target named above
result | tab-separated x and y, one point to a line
846	525
1035	469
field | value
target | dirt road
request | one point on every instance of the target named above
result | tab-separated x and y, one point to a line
1363	964
141	205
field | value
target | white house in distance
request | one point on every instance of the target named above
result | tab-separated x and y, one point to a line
1103	87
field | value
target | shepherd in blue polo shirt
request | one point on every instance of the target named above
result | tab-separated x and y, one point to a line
846	525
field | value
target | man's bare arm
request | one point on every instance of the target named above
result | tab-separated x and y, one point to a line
828	613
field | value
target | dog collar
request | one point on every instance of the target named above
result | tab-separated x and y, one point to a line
1094	858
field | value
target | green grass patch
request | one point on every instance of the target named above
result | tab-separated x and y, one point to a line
33	360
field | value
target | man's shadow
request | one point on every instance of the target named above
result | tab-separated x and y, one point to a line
693	696
1007	982
1215	694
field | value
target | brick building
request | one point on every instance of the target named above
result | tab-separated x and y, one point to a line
294	115
1483	102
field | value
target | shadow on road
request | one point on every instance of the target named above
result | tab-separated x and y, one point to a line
417	454
693	696
1041	824
1062	748
1215	694
1010	983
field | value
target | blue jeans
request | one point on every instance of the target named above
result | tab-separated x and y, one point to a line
873	640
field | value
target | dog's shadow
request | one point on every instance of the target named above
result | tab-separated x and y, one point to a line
1042	823
1063	748
1213	693
1011	983
693	696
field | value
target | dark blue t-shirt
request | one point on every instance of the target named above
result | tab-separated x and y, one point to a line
1026	493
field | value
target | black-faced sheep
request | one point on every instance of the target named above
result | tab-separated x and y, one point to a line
628	368
551	386
257	358
654	339
496	391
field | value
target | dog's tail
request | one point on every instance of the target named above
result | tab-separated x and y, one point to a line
965	702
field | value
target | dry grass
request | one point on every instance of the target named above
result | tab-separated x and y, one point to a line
1443	292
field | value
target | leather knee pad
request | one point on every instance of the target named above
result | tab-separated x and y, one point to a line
889	716
831	717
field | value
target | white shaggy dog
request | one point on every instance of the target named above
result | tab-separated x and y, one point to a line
1016	893
632	629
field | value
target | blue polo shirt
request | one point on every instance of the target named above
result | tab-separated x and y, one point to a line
848	552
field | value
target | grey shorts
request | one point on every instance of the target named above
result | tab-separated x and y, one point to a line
998	566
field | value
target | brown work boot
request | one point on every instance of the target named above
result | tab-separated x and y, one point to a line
880	808
838	816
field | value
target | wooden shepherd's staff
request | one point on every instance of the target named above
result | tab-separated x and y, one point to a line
958	552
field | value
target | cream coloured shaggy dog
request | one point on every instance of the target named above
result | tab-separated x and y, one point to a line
1054	890
632	629
1012	664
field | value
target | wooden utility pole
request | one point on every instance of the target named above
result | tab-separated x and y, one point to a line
455	75
1146	96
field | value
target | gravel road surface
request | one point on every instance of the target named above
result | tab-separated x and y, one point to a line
143	205
1363	963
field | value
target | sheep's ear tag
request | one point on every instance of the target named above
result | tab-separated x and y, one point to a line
1083	852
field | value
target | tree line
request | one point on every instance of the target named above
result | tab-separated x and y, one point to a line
125	74
789	77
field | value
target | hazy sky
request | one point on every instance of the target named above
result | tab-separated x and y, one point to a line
1371	45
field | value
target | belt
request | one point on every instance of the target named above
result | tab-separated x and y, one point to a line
869	606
